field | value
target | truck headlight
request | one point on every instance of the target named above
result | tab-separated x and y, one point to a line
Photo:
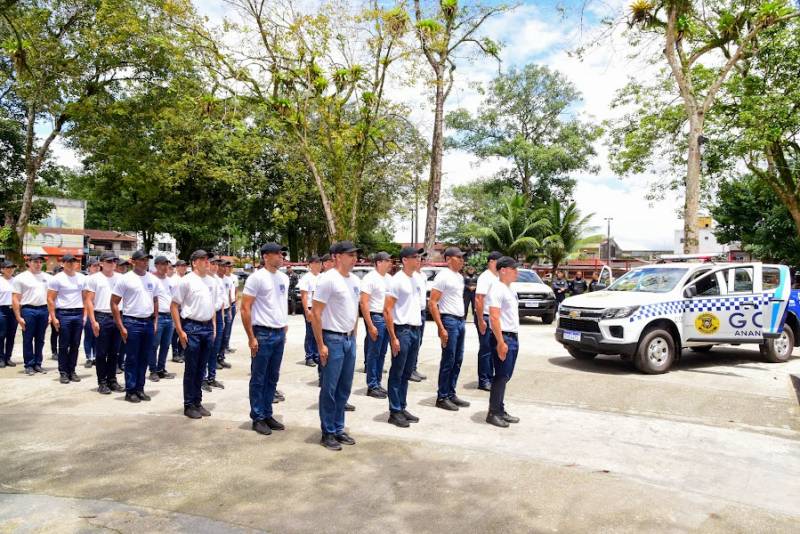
619	313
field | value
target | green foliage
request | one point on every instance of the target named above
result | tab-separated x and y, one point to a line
514	230
467	207
566	232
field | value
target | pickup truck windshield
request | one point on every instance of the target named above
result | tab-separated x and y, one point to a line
528	277
649	280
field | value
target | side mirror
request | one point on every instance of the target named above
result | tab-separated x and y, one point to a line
690	292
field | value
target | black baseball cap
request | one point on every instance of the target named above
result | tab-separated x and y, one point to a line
92	261
314	259
344	247
494	255
6	264
141	255
507	262
35	257
273	248
218	261
180	263
68	257
407	252
381	256
325	257
124	262
453	251
161	259
108	256
200	253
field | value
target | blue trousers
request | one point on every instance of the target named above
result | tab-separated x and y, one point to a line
89	341
503	369
137	352
177	349
196	354
226	341
161	342
485	372
107	348
424	315
337	381
36	319
211	364
310	344
69	338
403	364
265	370
452	356
10	333
375	351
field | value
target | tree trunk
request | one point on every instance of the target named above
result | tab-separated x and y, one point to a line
323	196
691	205
30	178
435	181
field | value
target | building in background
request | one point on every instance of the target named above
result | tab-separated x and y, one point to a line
61	232
163	245
708	244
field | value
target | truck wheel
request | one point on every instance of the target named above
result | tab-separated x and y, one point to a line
548	319
702	348
656	352
779	350
581	354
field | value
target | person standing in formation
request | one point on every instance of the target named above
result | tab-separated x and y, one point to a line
89	339
485	281
560	287
194	317
447	308
164	329
376	339
29	302
232	282
177	348
8	323
97	306
265	319
504	319
138	291
403	324
335	321
306	285
65	303
422	296
219	305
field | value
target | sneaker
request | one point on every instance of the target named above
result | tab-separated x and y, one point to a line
496	420
74	378
458	402
510	418
344	439
9	363
216	384
329	442
446	404
176	359
274	424
410	418
230	350
415	377
310	363
398	419
132	397
218	365
143	396
419	375
349	407
104	390
191	412
203	410
383	390
29	371
224	364
262	427
38	369
166	374
485	387
205	386
280	397
88	364
154	377
376	393
64	378
115	386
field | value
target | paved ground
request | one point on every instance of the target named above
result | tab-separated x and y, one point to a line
712	446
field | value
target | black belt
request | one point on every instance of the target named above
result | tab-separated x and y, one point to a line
400	326
192	321
140	319
4	306
336	333
24	306
267	328
165	313
375	313
102	314
443	315
69	311
513	335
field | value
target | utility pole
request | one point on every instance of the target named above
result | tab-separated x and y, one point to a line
608	239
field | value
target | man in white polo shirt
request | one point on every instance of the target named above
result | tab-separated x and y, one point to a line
403	324
97	302
485	281
335	316
163	335
306	285
194	318
29	302
220	300
447	308
8	323
138	291
65	303
265	303
504	320
376	339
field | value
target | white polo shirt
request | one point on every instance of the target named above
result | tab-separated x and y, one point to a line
485	281
308	283
422	289
6	288
404	290
271	299
165	288
233	284
195	295
137	293
374	285
220	293
451	284
501	296
340	295
102	285
31	288
69	290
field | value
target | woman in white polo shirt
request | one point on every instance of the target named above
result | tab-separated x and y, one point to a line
65	303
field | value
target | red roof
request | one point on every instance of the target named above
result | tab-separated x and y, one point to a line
108	235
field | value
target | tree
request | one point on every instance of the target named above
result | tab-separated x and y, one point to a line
442	28
566	232
703	41
467	207
525	117
748	211
66	55
515	229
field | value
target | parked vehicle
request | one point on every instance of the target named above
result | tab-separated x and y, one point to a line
535	298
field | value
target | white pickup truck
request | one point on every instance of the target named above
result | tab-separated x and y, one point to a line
652	312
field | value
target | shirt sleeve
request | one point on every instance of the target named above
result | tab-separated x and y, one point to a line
440	282
302	285
120	287
16	285
251	286
323	291
53	284
484	284
368	285
391	287
494	298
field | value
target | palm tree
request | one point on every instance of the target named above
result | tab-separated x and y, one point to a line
566	232
515	230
